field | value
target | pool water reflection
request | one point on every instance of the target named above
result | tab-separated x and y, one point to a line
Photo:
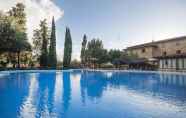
88	94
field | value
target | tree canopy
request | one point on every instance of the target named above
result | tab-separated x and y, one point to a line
83	49
44	46
95	52
37	45
52	59
114	54
67	49
7	34
13	35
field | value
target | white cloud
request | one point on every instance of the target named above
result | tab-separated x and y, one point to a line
36	10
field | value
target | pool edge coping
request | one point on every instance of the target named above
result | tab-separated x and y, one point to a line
93	70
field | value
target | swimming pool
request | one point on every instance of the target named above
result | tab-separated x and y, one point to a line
92	94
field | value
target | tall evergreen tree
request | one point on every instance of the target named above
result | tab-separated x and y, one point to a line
67	49
52	60
83	49
44	47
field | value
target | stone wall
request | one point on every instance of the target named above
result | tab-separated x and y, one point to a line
162	48
171	47
146	52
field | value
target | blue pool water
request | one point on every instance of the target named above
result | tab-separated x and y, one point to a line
88	94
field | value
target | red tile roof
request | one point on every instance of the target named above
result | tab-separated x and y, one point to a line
154	44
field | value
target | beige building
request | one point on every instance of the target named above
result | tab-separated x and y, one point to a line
171	53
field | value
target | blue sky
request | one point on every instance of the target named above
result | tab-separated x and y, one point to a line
121	23
118	23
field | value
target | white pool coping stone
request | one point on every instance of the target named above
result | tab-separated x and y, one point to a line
93	70
33	71
137	71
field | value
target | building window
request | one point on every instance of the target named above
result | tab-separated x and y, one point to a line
143	50
183	63
174	63
178	52
166	62
180	63
162	64
171	63
164	53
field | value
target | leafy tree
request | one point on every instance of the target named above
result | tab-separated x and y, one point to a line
52	59
44	47
104	57
18	15
37	45
7	39
114	54
21	45
67	49
15	31
95	52
7	34
83	49
94	47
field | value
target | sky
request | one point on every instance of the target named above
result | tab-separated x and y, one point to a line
118	23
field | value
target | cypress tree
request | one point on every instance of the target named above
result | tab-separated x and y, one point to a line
67	49
44	47
52	60
83	49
